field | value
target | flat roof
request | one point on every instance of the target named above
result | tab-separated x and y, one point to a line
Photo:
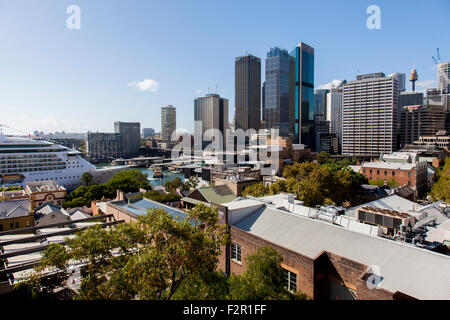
141	206
413	271
388	165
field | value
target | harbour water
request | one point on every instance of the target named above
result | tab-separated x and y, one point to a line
168	176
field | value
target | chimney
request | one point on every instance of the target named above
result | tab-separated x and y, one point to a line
120	195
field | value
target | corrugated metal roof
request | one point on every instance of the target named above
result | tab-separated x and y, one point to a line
416	272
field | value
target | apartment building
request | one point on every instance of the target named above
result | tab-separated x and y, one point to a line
369	109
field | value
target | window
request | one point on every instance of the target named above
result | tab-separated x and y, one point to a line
290	280
17	224
236	250
393	173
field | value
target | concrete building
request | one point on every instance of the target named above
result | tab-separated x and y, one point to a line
441	140
334	112
329	143
131	137
148	132
276	91
212	111
45	191
369	110
417	120
247	92
443	74
104	145
400	77
263	104
168	122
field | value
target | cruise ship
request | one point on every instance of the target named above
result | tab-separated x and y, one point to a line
24	160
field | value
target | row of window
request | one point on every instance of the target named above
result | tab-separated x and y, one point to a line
15	225
289	277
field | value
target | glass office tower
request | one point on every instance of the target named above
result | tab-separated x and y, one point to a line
276	104
302	128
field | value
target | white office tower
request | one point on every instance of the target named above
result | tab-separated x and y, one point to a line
168	122
369	111
443	74
334	112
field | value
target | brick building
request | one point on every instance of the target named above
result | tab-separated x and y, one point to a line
326	261
405	174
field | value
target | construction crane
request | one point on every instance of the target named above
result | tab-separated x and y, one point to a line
5	126
437	59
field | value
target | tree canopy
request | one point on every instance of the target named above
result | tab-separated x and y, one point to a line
87	178
441	189
145	260
314	184
127	181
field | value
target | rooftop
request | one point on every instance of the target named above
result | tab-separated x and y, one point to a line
217	194
388	165
386	212
15	208
140	207
414	271
43	186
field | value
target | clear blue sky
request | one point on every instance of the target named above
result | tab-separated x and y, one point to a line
53	78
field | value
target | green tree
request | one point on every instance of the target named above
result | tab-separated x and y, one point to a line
192	182
173	185
87	178
323	157
441	188
128	181
146	260
161	197
256	190
263	278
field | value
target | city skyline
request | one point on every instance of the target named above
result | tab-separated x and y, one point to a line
122	65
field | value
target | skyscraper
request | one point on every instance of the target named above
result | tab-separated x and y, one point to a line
247	92
131	137
302	127
320	102
369	115
263	101
276	91
443	82
212	111
401	78
168	122
334	112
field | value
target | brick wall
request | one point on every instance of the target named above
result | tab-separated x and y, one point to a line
339	269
